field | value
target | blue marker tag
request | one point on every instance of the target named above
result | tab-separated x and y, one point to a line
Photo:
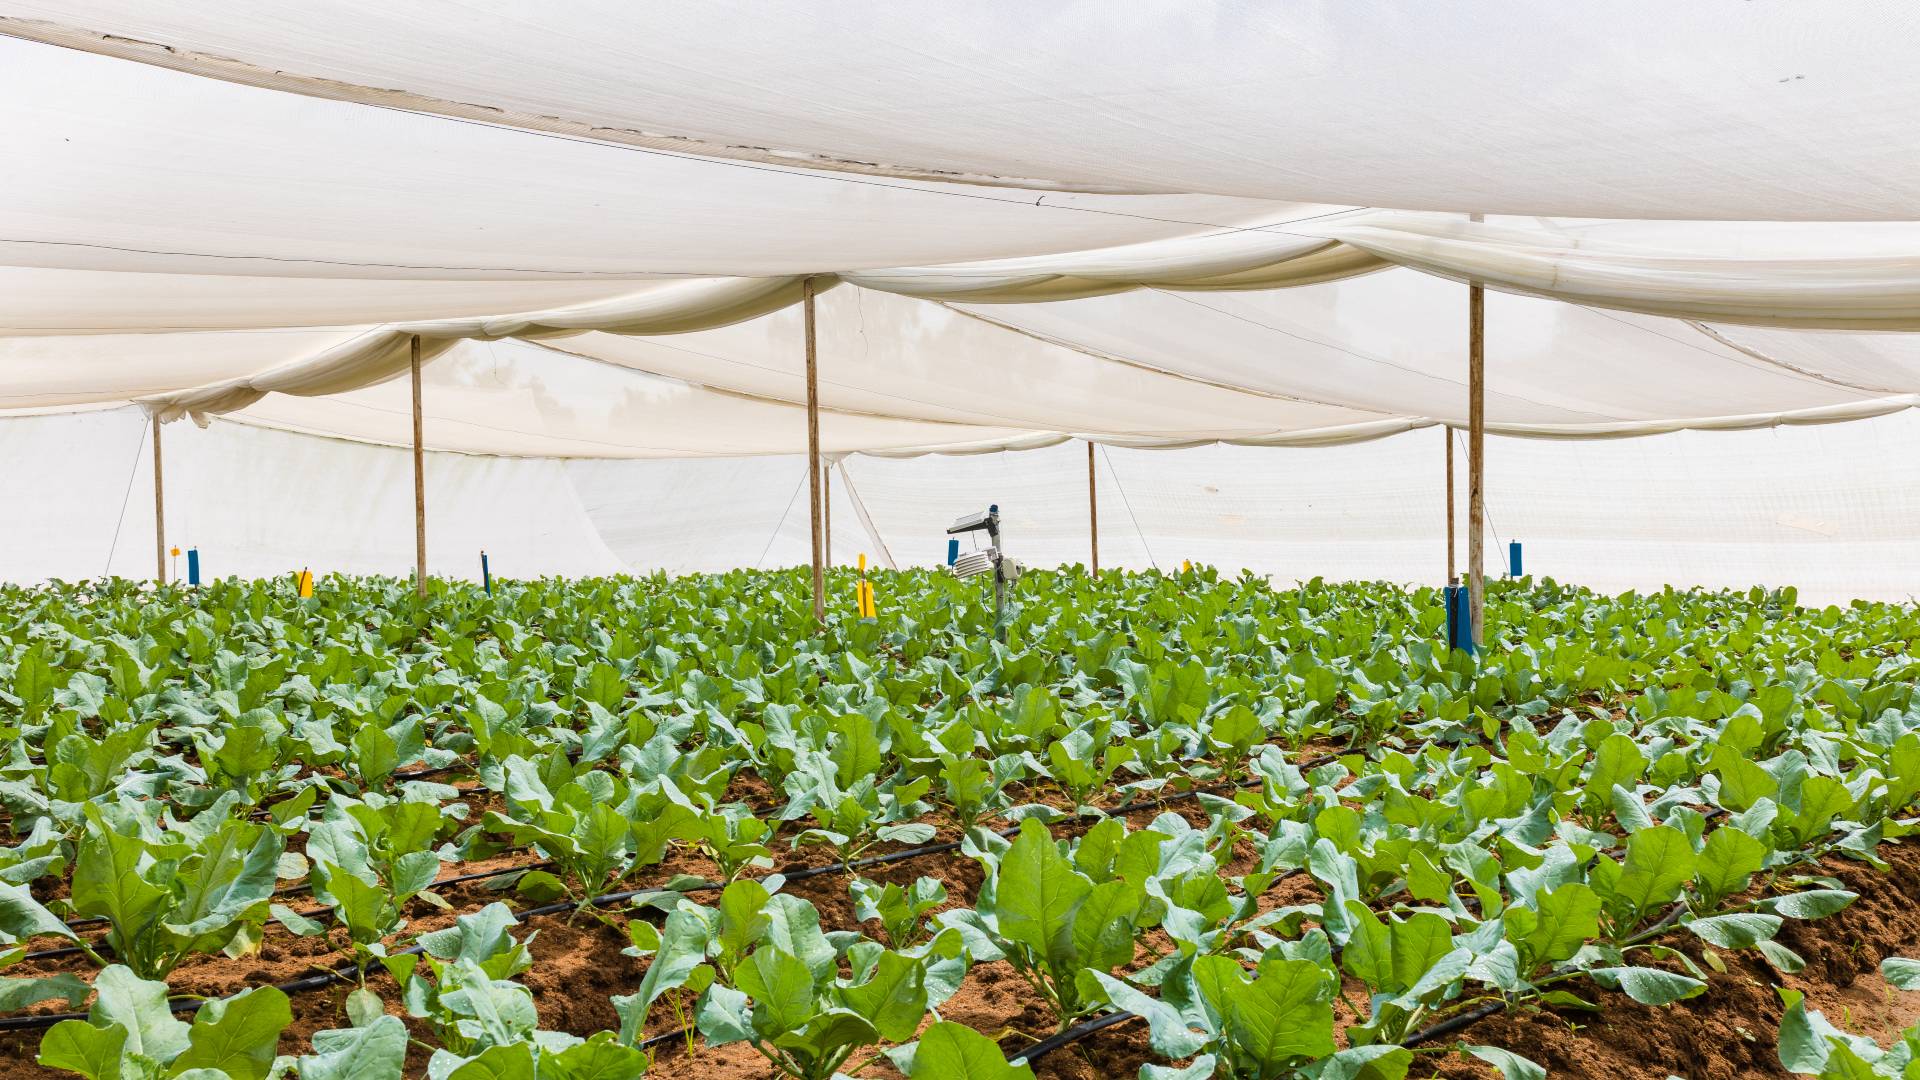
1513	559
953	550
1459	619
193	566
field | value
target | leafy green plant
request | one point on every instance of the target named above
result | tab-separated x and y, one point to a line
130	1032
1054	924
767	976
169	893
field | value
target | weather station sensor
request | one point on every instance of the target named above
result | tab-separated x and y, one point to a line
987	560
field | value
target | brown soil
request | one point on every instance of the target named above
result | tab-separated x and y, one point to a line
1731	1031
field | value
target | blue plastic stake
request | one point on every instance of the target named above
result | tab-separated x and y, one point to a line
1513	559
1459	619
953	550
193	566
486	575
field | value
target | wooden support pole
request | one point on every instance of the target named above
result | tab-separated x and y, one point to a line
1476	457
1453	572
1093	512
419	478
159	511
813	457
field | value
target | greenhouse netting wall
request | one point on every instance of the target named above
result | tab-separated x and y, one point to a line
1831	509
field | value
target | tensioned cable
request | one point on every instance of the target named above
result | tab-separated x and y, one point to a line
132	471
1128	503
775	535
860	511
1484	511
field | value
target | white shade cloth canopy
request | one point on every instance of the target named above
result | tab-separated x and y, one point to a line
1217	222
1631	109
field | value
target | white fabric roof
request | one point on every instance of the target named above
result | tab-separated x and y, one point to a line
607	266
1634	108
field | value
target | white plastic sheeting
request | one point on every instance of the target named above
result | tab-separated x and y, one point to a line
206	248
1636	108
1831	509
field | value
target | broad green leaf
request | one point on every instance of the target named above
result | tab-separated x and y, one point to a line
140	1006
1904	974
1281	1016
1809	904
1659	862
894	1000
239	1035
1651	986
375	1052
17	994
1739	930
950	1051
79	1047
1728	859
1511	1065
781	988
23	917
1037	891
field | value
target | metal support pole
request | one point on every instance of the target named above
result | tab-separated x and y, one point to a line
159	511
1476	456
1093	512
826	513
813	457
419	478
1453	574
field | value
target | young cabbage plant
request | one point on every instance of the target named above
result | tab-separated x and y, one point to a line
202	886
764	973
973	788
387	839
854	818
131	1033
1053	923
1274	1021
900	911
734	838
596	826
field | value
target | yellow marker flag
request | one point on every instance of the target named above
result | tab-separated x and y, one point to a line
866	595
1186	566
304	582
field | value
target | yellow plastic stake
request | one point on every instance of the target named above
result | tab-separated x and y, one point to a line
863	591
305	584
